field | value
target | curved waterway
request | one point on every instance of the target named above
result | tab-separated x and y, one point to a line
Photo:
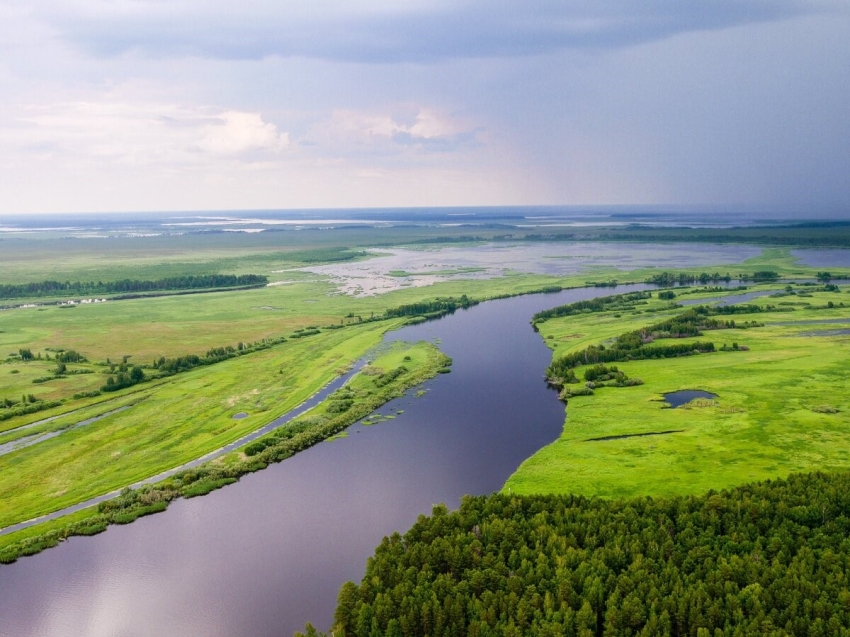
263	556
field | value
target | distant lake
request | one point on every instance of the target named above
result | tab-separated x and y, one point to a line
823	258
395	268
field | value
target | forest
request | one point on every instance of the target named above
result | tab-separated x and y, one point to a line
600	304
435	308
769	558
84	288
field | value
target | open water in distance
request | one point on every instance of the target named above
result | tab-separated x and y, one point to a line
262	557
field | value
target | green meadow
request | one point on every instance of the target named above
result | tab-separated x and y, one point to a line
171	420
176	421
394	370
780	408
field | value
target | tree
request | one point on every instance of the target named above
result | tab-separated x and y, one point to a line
137	375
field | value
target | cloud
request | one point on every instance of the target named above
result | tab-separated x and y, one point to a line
383	31
402	130
139	134
235	133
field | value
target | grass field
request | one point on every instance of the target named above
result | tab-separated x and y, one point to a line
780	407
173	420
394	370
180	420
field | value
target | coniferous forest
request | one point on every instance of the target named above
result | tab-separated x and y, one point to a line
769	558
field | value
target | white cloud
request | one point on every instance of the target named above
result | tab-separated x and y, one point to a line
236	133
139	134
402	129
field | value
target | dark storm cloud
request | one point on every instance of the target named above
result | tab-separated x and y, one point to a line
397	32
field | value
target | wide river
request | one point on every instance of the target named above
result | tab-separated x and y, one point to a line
263	556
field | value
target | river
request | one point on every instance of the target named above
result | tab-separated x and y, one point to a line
263	556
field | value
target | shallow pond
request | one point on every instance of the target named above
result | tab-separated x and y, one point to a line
683	397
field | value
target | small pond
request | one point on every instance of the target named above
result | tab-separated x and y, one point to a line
679	398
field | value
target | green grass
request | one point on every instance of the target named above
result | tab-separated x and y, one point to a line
185	416
183	419
370	389
765	422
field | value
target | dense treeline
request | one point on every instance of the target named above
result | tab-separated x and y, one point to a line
770	558
11	409
684	278
761	275
83	288
599	304
70	356
169	366
437	307
600	354
635	345
124	379
803	234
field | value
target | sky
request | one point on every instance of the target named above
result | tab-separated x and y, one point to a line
147	105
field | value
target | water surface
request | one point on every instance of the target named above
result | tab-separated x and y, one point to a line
262	557
382	273
684	396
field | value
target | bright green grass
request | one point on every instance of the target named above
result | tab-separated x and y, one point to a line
15	384
183	419
422	360
175	325
762	425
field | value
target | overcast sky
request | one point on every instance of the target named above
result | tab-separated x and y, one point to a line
210	104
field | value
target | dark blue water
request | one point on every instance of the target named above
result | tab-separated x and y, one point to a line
684	396
264	556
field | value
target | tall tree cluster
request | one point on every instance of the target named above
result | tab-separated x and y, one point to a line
770	558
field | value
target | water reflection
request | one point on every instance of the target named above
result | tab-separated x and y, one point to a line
264	556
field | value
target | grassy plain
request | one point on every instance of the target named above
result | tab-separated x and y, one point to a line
780	407
180	420
394	370
185	416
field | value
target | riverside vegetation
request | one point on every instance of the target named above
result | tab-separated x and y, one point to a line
769	558
389	376
774	374
663	552
180	410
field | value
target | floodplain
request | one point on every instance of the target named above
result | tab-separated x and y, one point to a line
778	407
217	364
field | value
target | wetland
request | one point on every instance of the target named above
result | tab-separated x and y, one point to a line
286	537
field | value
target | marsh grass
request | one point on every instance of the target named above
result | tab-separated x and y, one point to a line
761	425
422	361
